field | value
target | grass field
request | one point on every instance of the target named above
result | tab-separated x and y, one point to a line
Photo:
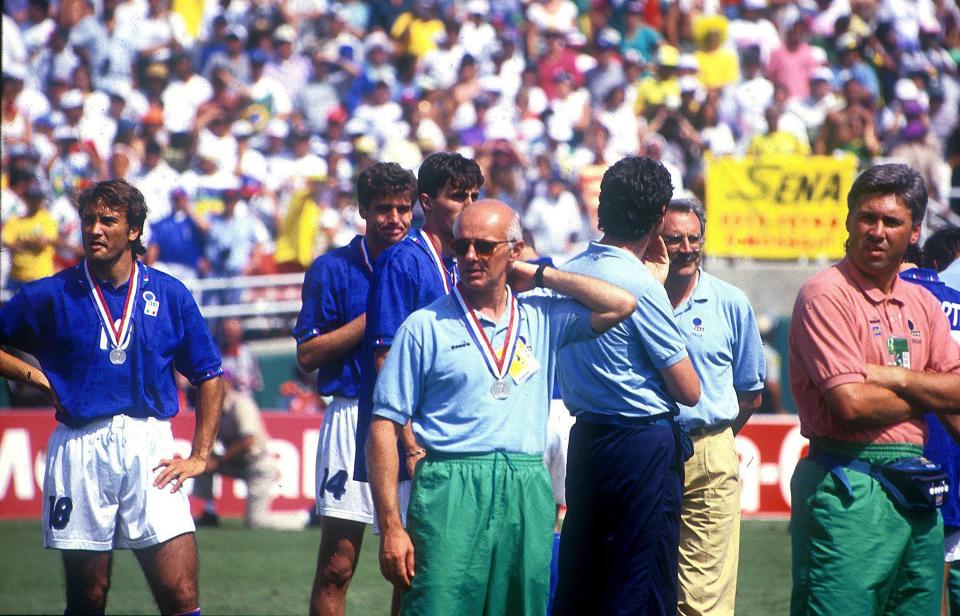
270	572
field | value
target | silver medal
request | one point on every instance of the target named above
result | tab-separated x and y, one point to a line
118	356
500	390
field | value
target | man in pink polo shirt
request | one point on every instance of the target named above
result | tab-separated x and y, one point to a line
869	356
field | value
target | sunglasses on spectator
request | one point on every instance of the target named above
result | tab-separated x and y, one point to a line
483	248
676	240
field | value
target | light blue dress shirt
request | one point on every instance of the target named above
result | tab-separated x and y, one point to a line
724	344
436	376
618	374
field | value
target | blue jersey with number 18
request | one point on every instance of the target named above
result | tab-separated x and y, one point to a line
55	320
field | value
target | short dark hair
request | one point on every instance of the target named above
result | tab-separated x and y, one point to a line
385	180
442	168
690	205
896	179
942	248
634	194
118	195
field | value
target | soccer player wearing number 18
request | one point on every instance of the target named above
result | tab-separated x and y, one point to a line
108	334
329	334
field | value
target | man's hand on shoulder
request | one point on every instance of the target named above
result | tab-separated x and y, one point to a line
521	276
396	557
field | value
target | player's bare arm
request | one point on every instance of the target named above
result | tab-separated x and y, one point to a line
682	382
396	549
414	452
925	391
331	346
608	304
209	406
749	401
15	369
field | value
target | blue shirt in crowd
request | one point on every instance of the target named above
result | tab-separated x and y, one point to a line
179	239
334	293
436	376
724	344
55	320
618	374
405	278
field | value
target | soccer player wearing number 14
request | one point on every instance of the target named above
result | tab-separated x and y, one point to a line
108	334
329	333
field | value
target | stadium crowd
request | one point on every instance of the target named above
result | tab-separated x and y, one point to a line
245	122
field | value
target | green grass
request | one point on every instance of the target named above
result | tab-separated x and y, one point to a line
270	572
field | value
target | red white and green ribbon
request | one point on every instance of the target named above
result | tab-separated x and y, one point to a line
434	253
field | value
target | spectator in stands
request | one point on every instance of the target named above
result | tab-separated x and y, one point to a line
719	65
792	63
853	128
638	36
776	140
240	365
290	69
30	238
177	241
235	244
555	221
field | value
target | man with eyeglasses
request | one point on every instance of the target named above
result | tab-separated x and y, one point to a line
473	372
723	341
618	546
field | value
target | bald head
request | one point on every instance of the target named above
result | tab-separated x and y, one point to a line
492	218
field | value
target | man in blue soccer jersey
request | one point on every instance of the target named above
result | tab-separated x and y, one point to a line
329	334
723	340
410	275
940	251
473	372
618	546
108	334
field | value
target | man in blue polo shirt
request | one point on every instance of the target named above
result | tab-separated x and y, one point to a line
329	333
723	341
473	373
618	546
108	334
410	275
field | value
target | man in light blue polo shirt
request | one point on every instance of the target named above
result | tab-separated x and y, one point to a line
723	341
474	372
618	547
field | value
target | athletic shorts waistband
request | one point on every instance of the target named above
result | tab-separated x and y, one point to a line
868	452
517	459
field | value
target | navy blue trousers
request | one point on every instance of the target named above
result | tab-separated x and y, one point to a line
618	548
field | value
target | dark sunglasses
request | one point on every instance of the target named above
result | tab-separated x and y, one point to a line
484	248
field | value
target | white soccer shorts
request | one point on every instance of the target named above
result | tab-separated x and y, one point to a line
98	488
951	547
339	495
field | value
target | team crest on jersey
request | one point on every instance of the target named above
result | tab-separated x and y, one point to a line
875	328
698	326
151	305
914	332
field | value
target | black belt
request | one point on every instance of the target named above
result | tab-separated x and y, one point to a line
603	419
706	430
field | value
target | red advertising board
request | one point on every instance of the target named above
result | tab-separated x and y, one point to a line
769	448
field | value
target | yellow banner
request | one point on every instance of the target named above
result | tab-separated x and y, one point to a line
778	207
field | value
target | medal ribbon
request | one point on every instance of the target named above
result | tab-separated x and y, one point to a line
437	261
118	335
498	366
365	254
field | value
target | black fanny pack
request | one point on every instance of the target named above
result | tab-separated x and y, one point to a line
912	483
